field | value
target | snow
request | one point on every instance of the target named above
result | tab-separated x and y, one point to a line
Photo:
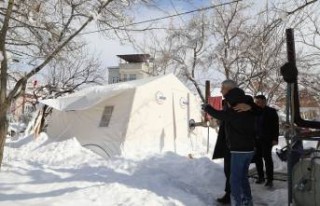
92	95
216	92
45	172
95	15
17	127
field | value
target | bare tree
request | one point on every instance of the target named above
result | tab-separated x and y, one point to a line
182	51
35	33
251	50
234	42
308	37
66	75
186	51
278	18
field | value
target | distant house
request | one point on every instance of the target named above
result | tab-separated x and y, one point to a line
24	104
131	67
113	75
309	105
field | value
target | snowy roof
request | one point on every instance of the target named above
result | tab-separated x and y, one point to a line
113	67
91	96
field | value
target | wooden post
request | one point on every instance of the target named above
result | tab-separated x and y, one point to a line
206	116
207	90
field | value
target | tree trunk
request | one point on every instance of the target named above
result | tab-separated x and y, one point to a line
3	134
4	102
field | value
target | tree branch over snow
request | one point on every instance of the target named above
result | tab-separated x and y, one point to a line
54	53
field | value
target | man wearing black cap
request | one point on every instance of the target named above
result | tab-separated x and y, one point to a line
267	127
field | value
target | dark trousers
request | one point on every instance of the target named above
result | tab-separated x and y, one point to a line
263	152
227	169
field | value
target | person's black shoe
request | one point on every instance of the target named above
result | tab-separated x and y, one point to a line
269	183
260	181
225	199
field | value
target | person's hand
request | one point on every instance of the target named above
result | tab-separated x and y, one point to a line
274	142
242	107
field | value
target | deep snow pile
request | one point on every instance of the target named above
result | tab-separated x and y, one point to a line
42	172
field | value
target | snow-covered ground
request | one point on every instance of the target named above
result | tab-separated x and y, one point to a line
43	172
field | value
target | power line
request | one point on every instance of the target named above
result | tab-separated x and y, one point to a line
164	17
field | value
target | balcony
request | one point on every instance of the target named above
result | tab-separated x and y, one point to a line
133	67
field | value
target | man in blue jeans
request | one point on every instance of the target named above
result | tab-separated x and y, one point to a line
240	134
240	186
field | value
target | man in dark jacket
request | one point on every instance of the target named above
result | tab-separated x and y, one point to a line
240	133
221	150
267	126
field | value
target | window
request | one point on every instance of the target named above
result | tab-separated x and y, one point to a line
125	77
115	79
106	116
132	77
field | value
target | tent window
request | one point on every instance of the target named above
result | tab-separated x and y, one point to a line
106	116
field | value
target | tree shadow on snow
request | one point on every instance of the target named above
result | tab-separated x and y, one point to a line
193	182
189	181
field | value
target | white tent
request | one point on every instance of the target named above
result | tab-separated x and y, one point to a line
141	116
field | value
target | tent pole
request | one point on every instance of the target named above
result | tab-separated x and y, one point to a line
208	140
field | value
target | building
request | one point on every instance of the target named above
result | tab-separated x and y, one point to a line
131	67
113	75
24	104
309	105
